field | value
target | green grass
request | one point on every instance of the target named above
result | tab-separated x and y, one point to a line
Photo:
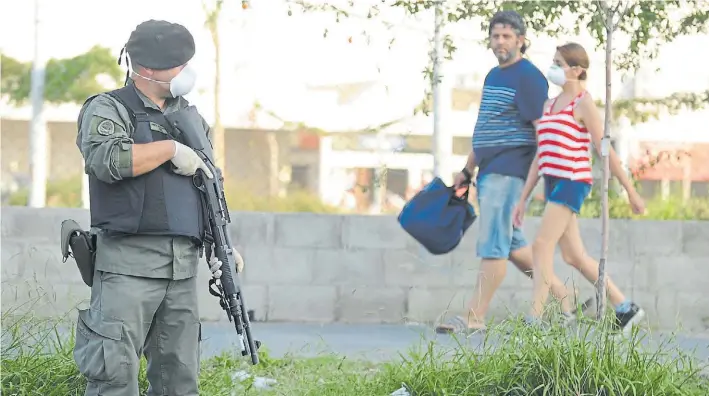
40	362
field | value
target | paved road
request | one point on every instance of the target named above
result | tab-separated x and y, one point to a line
373	342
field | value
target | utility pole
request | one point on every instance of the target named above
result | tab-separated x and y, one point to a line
442	143
38	130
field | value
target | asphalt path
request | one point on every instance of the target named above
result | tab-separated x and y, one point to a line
384	342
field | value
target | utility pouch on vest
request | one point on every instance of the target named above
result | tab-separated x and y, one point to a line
83	249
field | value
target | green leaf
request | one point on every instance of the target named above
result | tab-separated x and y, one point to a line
69	80
648	24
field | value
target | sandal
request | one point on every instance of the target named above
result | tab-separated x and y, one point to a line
457	325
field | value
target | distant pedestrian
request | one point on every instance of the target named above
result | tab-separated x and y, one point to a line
568	126
504	145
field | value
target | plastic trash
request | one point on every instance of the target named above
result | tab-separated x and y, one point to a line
403	391
258	382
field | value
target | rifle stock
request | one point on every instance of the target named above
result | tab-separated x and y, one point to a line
227	288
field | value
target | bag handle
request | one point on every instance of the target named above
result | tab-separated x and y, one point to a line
454	195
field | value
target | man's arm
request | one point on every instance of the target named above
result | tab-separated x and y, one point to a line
470	165
531	98
531	95
108	149
149	156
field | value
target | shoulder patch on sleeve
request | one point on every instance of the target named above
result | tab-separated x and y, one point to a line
106	128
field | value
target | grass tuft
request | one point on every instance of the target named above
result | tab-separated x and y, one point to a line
511	360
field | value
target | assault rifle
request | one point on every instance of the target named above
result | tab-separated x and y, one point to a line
227	288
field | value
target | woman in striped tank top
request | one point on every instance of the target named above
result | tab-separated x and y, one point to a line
569	124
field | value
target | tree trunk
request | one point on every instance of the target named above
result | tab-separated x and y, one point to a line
605	154
212	24
273	166
218	138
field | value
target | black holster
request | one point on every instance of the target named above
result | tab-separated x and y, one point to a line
83	249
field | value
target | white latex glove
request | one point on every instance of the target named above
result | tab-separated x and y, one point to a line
214	265
187	161
239	261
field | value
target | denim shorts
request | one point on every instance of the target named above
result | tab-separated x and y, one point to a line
569	193
497	197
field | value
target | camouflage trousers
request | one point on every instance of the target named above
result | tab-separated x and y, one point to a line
133	316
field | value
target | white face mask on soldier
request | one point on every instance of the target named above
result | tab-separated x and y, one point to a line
181	84
556	75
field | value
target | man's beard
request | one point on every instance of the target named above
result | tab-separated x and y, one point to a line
506	56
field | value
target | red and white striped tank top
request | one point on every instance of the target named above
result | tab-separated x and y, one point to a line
564	144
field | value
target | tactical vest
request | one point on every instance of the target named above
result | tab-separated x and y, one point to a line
159	202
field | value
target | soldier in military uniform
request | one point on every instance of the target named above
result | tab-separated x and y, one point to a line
149	222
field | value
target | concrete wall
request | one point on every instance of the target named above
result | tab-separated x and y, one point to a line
325	268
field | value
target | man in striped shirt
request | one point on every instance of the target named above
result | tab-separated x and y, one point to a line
504	146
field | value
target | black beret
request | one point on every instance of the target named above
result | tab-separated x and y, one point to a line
160	45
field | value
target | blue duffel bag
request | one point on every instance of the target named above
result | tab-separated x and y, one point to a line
437	218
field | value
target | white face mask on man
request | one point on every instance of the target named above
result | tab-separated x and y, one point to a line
556	75
181	84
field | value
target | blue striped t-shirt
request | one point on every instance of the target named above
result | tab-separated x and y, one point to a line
504	139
